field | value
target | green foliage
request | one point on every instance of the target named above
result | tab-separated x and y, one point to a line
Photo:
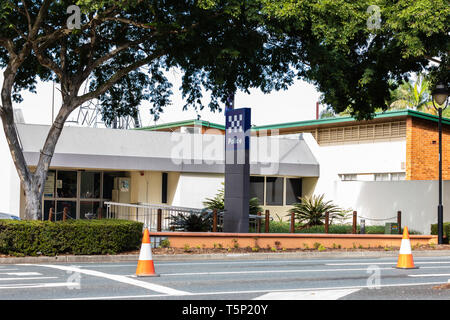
446	231
356	66
192	222
284	227
165	243
311	210
218	202
70	237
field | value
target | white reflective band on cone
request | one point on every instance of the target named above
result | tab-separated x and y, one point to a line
405	247
146	252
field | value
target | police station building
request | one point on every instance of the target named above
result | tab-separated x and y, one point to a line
182	164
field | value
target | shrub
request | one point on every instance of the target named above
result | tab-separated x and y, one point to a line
446	227
77	237
192	222
311	210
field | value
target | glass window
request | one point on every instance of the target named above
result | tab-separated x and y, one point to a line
382	177
90	185
398	176
66	184
257	188
71	210
274	191
47	205
293	190
108	183
89	209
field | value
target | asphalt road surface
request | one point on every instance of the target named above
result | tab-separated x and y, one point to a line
274	279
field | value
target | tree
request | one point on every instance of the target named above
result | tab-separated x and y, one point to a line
121	48
413	95
357	52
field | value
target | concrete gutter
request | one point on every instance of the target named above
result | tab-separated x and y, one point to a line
220	256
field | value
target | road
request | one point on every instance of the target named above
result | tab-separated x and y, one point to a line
274	279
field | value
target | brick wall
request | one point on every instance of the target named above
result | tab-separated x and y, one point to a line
422	150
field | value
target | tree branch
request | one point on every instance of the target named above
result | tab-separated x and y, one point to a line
116	77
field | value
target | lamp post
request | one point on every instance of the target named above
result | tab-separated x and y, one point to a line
440	95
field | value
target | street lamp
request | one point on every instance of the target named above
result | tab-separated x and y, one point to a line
440	95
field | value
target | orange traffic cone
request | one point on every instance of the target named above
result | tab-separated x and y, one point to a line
405	258
145	267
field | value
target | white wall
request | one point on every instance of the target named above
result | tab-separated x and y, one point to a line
355	158
10	182
194	188
417	200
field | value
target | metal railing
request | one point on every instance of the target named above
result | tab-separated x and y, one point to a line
154	217
160	217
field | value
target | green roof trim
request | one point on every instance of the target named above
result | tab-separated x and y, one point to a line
183	123
395	113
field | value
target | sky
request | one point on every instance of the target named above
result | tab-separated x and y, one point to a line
298	103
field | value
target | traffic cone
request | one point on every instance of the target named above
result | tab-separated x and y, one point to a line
145	267
405	258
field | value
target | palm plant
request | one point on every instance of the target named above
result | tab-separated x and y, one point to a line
193	222
218	203
413	95
311	210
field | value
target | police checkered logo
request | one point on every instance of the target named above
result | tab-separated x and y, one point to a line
235	123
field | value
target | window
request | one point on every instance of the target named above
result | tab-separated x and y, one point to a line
348	177
257	188
66	184
90	185
274	191
71	207
89	209
395	176
164	187
293	190
398	176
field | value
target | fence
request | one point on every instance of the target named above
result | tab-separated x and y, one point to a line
354	222
161	217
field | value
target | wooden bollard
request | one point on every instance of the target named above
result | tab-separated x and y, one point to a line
159	220
214	220
267	221
258	224
64	213
99	214
50	214
354	222
327	221
292	222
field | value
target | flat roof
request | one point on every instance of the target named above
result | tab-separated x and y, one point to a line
304	123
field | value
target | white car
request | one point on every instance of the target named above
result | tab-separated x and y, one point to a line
7	216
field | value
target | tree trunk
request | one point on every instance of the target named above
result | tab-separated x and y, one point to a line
32	183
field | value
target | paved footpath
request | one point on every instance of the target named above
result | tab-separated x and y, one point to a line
232	277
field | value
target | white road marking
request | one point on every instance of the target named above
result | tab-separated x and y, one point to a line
429	275
307	295
364	263
8	269
253	291
119	278
38	285
28	278
21	273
